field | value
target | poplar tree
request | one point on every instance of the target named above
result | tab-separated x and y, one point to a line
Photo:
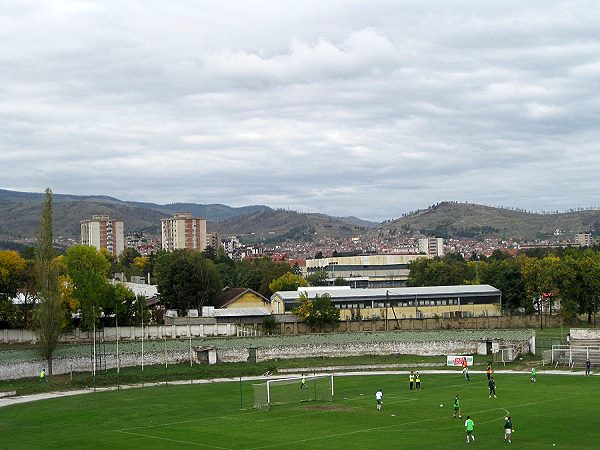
49	314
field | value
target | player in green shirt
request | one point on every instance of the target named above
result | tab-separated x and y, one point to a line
533	375
470	425
457	408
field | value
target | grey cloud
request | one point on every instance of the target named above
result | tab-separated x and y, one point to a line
363	109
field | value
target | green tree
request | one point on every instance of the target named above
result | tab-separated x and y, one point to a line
318	311
210	253
259	273
318	278
451	271
579	284
340	281
88	269
540	277
296	270
287	282
187	279
126	263
269	324
505	274
49	314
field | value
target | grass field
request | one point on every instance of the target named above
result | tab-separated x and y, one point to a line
558	409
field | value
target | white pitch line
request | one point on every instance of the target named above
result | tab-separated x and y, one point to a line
366	430
197	444
142	427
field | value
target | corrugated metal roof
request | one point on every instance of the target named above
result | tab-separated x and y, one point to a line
468	289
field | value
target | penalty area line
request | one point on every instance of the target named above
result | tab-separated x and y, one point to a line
196	444
402	424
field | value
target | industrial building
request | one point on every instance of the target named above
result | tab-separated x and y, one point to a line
406	302
365	271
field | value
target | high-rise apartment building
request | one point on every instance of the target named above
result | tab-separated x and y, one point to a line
583	239
183	231
103	232
432	246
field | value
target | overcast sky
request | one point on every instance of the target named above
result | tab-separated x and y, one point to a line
369	109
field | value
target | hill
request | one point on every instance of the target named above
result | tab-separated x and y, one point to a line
20	213
282	225
467	220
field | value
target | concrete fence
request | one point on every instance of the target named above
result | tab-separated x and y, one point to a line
477	323
293	327
129	333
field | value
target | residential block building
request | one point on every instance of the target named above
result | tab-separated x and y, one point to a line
583	239
105	233
183	231
432	246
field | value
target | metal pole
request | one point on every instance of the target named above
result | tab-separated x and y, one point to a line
94	351
117	326
117	331
190	334
142	311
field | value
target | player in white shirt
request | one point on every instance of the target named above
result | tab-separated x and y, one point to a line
379	399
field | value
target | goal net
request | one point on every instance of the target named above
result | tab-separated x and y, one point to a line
293	390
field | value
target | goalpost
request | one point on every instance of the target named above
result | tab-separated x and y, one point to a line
291	390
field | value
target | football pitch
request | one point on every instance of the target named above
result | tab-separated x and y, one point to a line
558	412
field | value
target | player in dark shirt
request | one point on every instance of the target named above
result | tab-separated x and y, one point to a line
508	430
492	386
588	368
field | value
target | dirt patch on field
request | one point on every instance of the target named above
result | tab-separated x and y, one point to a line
325	408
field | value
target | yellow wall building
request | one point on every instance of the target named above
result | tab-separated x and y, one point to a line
407	302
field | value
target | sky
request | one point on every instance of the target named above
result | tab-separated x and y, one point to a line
370	109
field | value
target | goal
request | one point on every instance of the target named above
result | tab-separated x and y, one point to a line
291	390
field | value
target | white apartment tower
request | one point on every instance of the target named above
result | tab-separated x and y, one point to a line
183	231
103	232
583	239
432	246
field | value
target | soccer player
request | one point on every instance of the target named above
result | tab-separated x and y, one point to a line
379	399
470	425
488	371
457	408
508	430
411	380
43	375
303	382
588	368
492	386
466	373
533	375
418	381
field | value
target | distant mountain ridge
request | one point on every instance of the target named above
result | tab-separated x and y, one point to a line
469	220
20	213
